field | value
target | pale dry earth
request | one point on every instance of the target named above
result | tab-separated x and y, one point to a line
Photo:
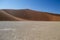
29	30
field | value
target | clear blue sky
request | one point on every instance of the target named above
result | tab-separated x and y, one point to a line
40	5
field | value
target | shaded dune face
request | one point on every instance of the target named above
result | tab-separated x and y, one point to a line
4	17
19	15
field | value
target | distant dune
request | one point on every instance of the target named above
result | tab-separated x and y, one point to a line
27	14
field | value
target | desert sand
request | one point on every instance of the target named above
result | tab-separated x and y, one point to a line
27	14
29	30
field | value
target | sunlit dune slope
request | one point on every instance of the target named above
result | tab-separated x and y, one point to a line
27	14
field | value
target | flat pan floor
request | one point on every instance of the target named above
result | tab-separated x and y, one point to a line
29	30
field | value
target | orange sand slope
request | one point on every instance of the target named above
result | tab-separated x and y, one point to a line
27	14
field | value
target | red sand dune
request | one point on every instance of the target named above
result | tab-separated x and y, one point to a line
26	14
